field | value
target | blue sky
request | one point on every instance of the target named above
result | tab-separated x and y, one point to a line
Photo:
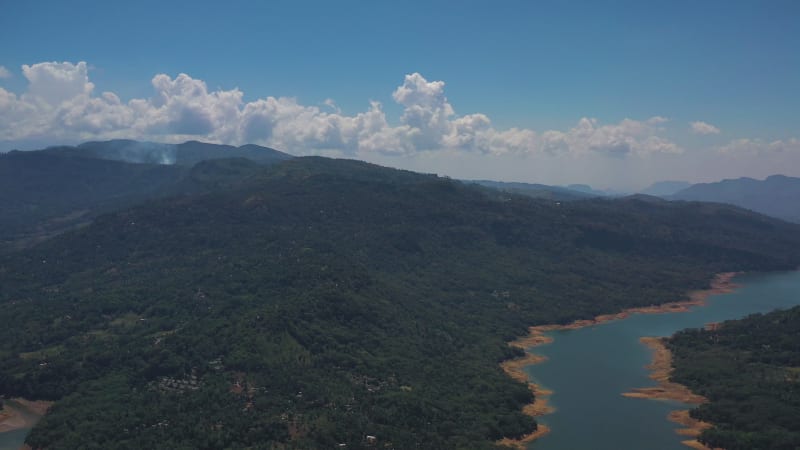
539	68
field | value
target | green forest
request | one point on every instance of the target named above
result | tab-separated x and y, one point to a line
749	369
320	302
46	192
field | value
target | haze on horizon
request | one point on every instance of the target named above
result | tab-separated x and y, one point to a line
617	95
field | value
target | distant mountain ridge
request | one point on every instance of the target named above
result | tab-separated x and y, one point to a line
586	189
45	192
777	195
188	153
543	191
665	188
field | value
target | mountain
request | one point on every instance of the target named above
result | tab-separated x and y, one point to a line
543	191
46	192
777	196
586	189
665	188
186	154
315	302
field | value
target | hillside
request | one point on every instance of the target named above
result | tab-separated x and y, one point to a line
748	369
777	195
46	192
43	194
665	188
588	190
316	302
534	190
186	154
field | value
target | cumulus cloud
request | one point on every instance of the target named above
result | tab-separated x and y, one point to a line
53	83
4	73
619	140
60	104
703	128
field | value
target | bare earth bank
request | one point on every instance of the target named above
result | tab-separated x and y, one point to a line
661	366
15	417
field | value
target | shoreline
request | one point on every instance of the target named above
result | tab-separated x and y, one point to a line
17	417
660	370
540	406
721	284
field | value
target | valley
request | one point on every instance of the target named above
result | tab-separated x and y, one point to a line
312	302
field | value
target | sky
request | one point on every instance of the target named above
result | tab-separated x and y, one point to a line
616	94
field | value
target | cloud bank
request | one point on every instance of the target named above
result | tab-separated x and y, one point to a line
759	147
60	104
700	127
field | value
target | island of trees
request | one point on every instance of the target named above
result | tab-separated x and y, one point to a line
749	370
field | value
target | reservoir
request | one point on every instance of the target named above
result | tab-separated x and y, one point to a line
13	440
588	370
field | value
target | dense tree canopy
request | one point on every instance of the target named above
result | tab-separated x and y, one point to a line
749	369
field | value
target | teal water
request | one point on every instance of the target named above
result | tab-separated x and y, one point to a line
13	440
589	368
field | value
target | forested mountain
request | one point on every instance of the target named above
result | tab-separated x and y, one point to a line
777	196
43	193
665	188
586	189
749	369
316	302
186	154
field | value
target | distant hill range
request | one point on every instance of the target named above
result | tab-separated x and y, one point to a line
542	191
45	192
777	196
665	188
590	191
186	154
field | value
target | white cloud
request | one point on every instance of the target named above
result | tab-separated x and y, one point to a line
758	147
184	107
15	116
703	128
619	140
4	73
60	105
53	83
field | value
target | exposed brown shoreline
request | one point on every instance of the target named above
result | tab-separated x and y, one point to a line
11	419
722	283
660	368
513	368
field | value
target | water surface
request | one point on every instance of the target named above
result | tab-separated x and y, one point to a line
589	368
